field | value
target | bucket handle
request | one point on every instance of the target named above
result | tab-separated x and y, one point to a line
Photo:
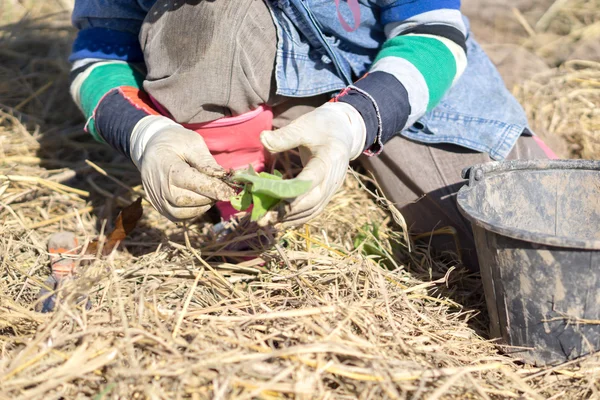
474	174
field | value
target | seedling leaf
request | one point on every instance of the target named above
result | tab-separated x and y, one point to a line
264	191
242	201
262	204
273	185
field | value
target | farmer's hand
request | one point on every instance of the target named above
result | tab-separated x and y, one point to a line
179	175
328	138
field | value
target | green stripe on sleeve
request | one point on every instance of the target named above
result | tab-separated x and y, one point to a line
430	56
102	80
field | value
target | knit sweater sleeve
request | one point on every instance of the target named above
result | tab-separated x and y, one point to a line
424	54
107	69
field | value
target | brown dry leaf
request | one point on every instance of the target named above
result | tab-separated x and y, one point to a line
124	224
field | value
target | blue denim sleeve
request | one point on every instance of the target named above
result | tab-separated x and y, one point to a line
108	29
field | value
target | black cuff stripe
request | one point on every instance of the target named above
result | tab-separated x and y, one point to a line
115	119
367	110
446	31
392	100
73	74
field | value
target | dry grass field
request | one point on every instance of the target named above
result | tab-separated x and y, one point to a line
348	306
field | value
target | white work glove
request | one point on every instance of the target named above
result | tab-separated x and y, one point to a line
328	138
179	175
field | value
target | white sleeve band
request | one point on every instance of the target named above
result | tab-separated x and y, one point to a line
143	131
442	16
85	61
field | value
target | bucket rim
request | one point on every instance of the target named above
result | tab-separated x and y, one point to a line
478	173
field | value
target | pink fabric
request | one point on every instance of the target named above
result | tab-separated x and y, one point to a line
234	142
551	155
355	8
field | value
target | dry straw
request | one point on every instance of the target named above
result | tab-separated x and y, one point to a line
336	309
565	101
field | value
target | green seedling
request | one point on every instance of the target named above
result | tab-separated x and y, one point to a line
372	244
264	191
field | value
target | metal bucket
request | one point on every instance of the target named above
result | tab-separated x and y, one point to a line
537	231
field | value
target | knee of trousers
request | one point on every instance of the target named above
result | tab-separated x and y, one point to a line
209	59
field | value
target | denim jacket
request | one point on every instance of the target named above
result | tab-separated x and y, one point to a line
316	55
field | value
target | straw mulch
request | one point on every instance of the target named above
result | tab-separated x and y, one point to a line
565	101
345	307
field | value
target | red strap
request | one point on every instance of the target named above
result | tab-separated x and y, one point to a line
355	8
139	99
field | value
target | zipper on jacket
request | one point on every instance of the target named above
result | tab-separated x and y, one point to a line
312	21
